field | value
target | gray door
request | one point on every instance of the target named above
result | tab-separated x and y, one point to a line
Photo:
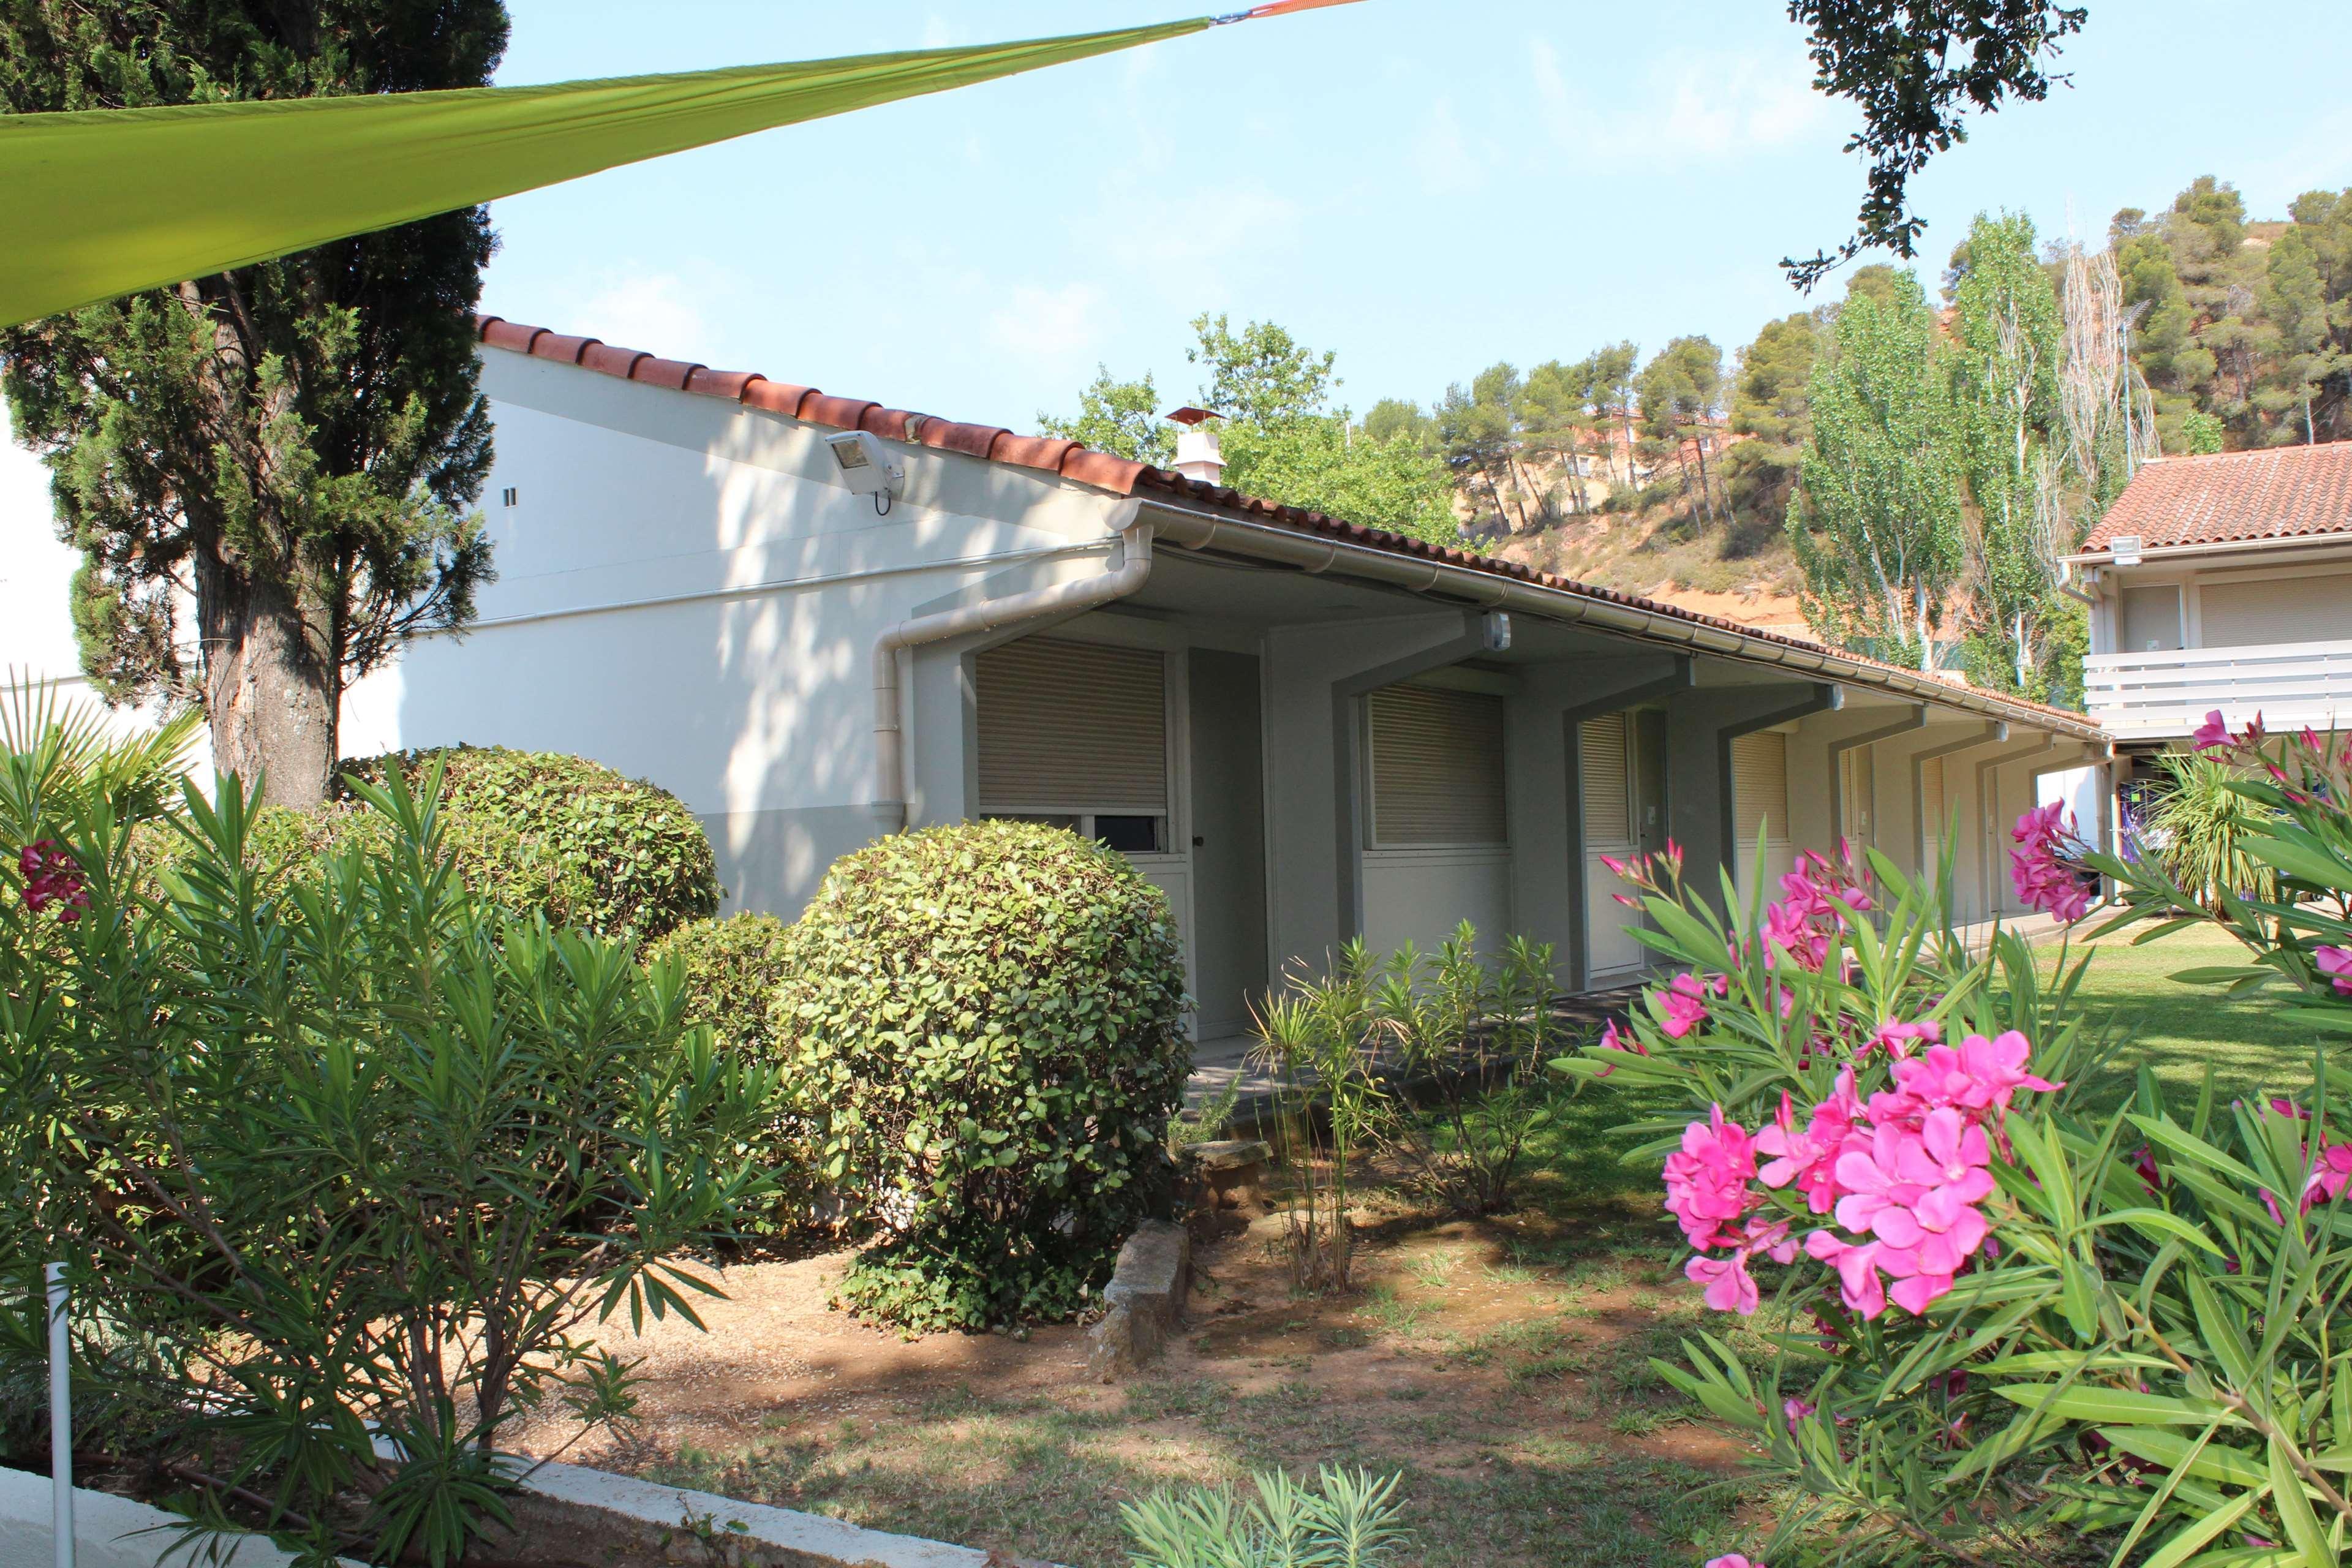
1228	827
1650	780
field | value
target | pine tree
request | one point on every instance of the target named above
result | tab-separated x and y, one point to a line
294	446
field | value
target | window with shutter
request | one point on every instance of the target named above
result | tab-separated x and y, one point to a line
1076	733
1437	768
1759	785
1608	809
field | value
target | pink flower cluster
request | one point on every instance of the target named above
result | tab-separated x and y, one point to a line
2335	963
1903	1173
1809	914
53	879
2039	868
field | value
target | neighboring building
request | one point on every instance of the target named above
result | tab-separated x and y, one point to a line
2221	581
1300	729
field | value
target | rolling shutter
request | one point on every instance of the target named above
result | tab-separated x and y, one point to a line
1608	811
1759	785
2275	610
1072	727
1437	768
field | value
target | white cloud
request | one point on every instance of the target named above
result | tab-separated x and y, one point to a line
1441	153
641	309
1054	331
1706	107
1201	234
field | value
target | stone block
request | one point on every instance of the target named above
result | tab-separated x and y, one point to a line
1144	1302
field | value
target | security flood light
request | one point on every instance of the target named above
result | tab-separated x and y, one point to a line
866	467
2125	547
1494	631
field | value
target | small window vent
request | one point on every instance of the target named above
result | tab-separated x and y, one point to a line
507	496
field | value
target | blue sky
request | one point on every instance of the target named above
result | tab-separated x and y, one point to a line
1423	187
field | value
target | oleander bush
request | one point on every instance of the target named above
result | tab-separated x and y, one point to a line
982	1020
2006	1325
339	1154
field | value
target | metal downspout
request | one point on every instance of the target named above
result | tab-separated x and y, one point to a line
889	803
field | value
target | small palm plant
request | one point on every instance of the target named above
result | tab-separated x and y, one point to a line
2200	823
1347	1519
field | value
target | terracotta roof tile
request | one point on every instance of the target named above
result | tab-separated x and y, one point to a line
776	397
2281	492
1123	476
555	345
841	413
727	383
612	361
672	373
515	335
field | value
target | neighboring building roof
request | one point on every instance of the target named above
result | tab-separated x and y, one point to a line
2280	492
1124	476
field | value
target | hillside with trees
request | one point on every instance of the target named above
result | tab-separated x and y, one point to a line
1895	470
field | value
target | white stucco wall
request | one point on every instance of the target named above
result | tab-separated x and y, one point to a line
36	637
688	593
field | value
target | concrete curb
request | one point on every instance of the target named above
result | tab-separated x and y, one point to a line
1144	1301
110	1532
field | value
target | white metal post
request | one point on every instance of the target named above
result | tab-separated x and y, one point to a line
60	1419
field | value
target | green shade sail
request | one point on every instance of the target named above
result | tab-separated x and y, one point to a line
108	202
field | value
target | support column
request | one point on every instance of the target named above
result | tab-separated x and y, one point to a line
1700	727
1993	733
1839	829
1547	801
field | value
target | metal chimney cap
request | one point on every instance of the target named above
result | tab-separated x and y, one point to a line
1191	416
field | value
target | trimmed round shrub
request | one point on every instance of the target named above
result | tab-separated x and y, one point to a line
544	831
734	968
982	1018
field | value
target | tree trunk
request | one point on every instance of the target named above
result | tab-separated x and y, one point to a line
270	705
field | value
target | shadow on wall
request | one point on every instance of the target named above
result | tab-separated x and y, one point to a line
752	703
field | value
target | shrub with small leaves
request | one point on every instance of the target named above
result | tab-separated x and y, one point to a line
734	967
983	1021
543	832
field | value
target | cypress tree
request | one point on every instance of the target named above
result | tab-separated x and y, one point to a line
288	453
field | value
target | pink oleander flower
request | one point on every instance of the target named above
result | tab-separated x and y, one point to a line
2143	1161
1897	1037
1614	1039
53	879
1808	1159
1731	1560
1978	1077
1859	1285
1707	1180
2329	1177
1917	1192
2213	734
2038	868
1915	1288
1729	1287
2335	963
1685	1002
1793	1410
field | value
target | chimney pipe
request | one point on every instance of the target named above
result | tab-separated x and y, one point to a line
1197	455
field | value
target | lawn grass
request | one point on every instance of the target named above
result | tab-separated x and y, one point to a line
2178	1030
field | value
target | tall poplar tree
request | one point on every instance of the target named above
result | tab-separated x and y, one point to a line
290	449
2006	379
1876	520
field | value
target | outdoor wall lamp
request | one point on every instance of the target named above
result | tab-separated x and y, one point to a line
866	467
